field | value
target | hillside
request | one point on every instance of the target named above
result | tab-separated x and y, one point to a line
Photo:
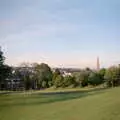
101	104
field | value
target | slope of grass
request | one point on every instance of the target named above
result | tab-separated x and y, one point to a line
99	104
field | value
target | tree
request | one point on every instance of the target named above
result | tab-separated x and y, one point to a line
94	79
2	58
81	78
102	73
5	70
88	69
68	80
112	76
1	67
59	81
43	75
55	74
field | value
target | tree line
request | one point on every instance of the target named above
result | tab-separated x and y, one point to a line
41	76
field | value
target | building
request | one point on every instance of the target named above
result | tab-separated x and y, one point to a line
15	82
98	64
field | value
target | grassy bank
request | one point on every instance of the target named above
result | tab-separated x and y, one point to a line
88	104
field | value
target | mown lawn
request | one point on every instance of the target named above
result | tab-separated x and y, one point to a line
100	104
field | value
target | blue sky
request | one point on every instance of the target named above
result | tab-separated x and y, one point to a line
62	33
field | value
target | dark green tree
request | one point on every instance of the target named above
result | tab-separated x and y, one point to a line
81	78
43	75
112	76
59	81
95	79
68	81
2	58
5	71
55	74
102	73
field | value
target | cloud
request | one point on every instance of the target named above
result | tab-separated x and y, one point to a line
54	60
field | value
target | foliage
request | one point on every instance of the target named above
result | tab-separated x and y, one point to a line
37	76
68	80
43	75
95	78
102	73
112	76
81	78
58	82
5	70
55	74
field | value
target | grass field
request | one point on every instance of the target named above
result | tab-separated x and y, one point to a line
99	104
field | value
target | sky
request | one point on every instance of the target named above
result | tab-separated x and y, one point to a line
61	33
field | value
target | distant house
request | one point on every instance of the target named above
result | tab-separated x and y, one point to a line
66	73
14	84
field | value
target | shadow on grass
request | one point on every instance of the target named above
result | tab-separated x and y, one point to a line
46	98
